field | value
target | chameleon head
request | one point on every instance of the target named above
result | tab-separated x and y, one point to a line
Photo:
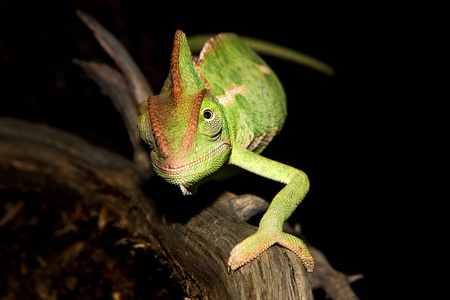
184	125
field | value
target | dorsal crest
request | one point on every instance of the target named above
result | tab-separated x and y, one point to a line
174	112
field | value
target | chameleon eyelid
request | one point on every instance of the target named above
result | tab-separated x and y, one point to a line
206	112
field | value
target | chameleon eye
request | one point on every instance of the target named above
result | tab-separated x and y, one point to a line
211	123
208	114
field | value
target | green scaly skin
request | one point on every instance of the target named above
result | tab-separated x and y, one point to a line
221	109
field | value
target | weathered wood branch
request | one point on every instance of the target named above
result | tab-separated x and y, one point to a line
114	85
197	249
138	84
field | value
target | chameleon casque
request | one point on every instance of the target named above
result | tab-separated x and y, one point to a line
220	110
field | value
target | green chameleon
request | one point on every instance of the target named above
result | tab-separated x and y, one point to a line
220	110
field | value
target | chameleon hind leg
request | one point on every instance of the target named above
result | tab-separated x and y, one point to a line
282	206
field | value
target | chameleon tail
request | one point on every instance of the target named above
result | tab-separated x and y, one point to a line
196	43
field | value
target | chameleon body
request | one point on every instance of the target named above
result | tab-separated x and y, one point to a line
218	110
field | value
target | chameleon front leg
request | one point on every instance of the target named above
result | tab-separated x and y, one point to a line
281	208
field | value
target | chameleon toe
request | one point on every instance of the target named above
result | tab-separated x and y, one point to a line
248	249
297	246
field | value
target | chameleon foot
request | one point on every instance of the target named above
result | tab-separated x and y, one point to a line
256	244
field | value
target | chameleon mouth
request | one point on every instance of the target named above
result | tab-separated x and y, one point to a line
177	166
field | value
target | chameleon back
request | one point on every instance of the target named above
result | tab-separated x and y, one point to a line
250	93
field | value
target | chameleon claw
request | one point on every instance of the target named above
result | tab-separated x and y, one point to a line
230	270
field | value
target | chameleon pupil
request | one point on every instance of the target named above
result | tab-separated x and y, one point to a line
207	114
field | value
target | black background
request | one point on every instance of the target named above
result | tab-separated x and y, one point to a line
336	131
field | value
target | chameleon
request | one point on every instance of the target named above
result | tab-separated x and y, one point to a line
216	112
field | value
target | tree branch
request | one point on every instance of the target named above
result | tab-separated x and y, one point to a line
33	155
